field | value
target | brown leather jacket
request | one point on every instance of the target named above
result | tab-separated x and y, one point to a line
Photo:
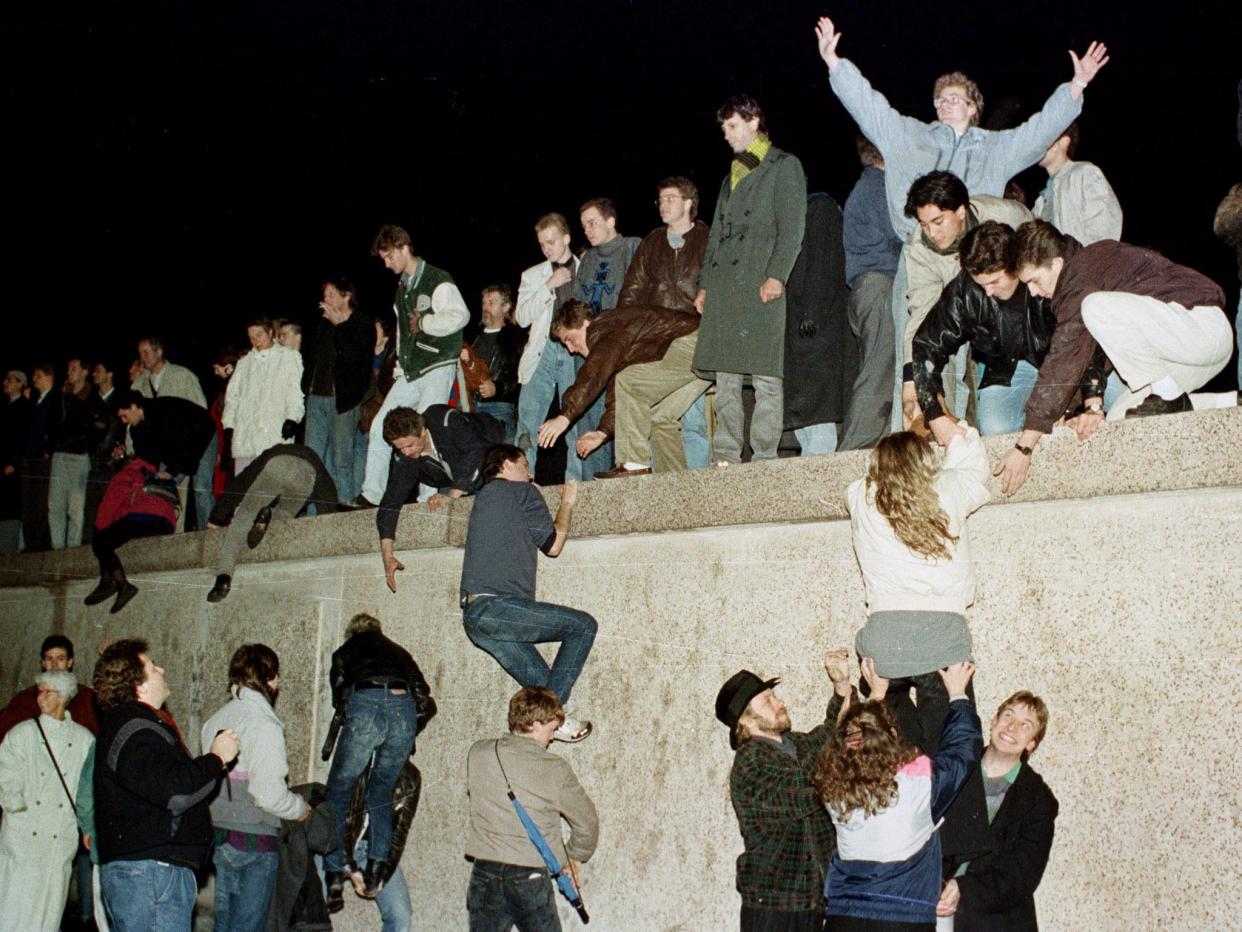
1104	266
624	336
663	276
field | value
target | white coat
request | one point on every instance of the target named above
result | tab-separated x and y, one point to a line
535	304
39	836
264	392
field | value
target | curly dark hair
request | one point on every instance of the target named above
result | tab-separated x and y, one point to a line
119	673
858	768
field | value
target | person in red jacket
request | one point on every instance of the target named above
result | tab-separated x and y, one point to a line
134	505
55	654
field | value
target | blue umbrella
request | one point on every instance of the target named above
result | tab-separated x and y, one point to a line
563	881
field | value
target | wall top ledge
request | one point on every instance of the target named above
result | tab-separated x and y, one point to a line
1196	450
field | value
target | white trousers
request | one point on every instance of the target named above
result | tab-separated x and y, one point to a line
433	388
1147	339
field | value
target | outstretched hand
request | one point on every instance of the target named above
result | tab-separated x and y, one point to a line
392	566
828	38
957	676
1087	67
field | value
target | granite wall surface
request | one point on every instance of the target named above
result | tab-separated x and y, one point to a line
1112	590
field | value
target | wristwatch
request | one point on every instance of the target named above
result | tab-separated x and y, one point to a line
1025	451
1097	408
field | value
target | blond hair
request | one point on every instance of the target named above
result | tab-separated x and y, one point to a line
902	472
973	94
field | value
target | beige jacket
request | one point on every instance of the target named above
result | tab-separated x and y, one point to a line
544	784
928	271
1082	205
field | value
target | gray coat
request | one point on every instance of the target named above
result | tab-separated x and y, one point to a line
756	234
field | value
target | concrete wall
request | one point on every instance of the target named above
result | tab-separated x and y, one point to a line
1120	609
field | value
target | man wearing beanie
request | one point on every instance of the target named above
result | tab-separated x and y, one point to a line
788	836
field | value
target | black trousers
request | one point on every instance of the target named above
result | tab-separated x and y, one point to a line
921	724
131	527
778	920
36	482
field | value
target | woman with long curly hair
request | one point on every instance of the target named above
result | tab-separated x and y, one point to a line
908	520
885	799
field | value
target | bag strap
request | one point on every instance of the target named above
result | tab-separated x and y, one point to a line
56	765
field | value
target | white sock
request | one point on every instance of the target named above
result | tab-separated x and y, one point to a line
1166	388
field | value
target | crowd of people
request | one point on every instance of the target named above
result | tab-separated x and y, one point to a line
930	311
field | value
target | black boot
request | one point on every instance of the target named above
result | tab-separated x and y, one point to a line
1153	404
221	589
255	535
336	890
105	590
372	878
125	592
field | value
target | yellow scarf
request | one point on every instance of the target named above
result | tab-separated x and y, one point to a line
746	162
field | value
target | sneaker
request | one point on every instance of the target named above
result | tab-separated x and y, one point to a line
1154	404
105	590
221	589
255	536
572	731
127	591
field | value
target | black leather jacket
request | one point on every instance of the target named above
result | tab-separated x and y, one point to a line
502	362
999	336
369	657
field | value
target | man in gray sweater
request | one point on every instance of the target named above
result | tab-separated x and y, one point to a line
983	159
509	881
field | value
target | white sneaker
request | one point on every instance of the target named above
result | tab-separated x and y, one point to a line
572	731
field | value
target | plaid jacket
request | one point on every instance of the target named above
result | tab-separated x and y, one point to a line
788	836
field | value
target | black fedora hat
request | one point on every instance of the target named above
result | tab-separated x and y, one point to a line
735	696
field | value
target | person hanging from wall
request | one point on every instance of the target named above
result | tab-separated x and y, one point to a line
382	702
908	522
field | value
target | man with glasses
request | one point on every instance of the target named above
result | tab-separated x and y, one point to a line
665	273
983	159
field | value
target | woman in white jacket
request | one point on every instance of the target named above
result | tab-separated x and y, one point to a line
248	809
263	403
908	518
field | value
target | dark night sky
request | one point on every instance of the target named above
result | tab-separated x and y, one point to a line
179	167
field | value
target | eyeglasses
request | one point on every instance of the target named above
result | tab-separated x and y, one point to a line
951	99
670	199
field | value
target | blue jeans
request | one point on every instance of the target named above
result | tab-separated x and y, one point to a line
148	896
503	895
1238	325
508	627
1001	409
244	884
502	411
331	436
600	460
204	481
817	439
396	912
380	724
555	373
694	437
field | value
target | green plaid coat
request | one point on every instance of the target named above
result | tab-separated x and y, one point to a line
788	836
